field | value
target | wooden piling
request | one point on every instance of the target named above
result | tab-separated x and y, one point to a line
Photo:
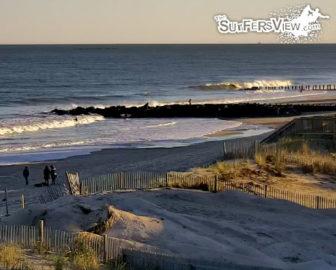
23	201
216	184
106	248
123	180
42	231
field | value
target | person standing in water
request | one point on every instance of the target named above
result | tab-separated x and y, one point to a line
53	174
46	174
26	174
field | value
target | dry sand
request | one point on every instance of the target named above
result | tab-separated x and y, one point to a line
104	162
227	226
276	122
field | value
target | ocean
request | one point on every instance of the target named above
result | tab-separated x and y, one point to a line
36	79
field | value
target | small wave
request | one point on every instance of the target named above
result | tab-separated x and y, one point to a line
252	96
169	124
253	85
37	124
40	147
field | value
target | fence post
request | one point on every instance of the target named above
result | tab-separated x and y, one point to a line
216	184
224	149
23	201
106	248
256	146
317	201
42	230
6	198
265	191
123	180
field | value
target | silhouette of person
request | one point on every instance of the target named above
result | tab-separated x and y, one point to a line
46	174
53	174
189	101
26	174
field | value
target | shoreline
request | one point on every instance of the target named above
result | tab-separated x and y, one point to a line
252	126
55	155
104	161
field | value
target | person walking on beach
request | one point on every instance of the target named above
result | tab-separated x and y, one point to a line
46	174
53	174
26	174
189	101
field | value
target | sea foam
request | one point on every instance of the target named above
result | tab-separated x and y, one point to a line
252	85
35	124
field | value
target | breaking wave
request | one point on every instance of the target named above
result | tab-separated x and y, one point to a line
36	124
168	124
253	85
42	146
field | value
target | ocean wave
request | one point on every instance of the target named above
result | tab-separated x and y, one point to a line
168	124
255	96
253	85
252	96
36	124
41	147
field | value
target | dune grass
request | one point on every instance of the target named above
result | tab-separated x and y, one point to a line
60	262
12	257
299	153
82	257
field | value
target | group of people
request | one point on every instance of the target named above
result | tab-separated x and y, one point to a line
48	173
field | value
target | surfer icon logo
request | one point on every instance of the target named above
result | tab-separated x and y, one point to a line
300	24
307	22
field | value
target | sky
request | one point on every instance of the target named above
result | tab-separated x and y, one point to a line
141	21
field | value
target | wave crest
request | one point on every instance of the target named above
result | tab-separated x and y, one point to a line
253	85
37	124
43	146
168	124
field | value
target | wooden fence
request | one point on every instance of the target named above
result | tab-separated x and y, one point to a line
239	148
148	180
123	181
312	126
307	200
106	248
31	237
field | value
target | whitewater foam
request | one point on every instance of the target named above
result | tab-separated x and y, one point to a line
35	124
253	96
253	85
168	124
43	146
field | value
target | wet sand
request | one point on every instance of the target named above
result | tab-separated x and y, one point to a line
276	122
224	133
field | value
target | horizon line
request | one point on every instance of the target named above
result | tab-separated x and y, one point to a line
135	44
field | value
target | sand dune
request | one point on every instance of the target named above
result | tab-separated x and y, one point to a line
224	227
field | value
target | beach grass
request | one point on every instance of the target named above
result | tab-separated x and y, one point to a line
82	257
12	257
293	152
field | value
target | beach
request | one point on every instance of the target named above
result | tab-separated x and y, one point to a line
160	159
30	132
114	116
